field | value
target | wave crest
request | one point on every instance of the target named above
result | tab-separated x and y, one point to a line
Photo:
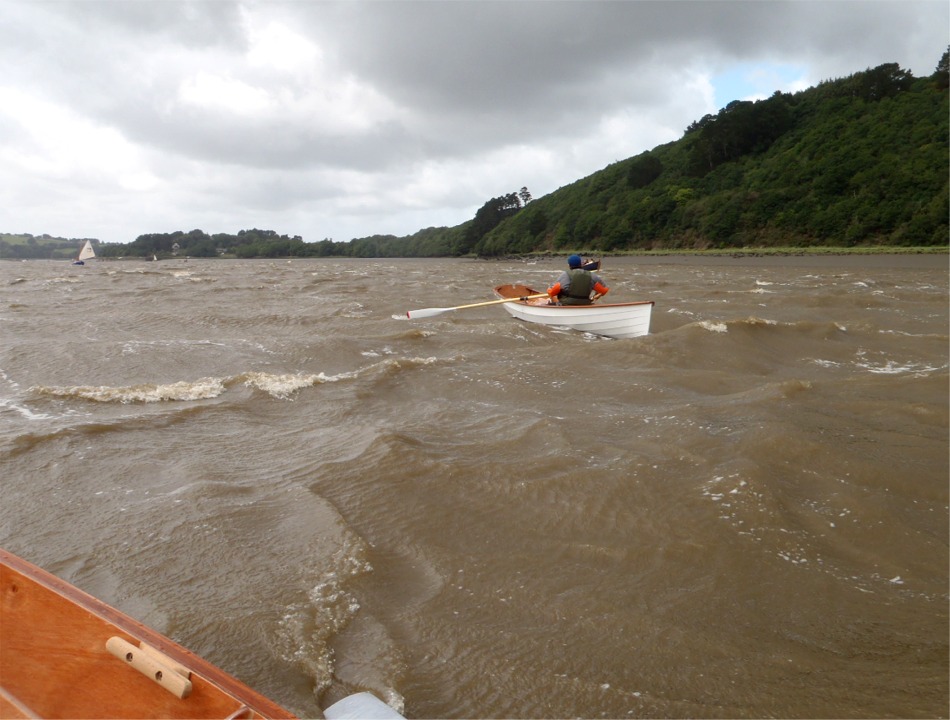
202	389
282	386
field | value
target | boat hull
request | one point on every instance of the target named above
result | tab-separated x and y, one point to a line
615	320
54	660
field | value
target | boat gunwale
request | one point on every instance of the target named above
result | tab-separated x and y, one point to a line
124	624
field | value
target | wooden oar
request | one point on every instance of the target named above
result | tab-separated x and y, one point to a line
431	312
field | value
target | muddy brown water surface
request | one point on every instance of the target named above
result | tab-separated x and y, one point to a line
743	514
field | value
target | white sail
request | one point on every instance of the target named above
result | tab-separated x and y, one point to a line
87	253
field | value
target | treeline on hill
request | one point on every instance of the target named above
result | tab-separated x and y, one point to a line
24	246
863	160
269	244
197	244
859	161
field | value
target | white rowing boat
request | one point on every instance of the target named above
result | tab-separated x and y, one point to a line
615	320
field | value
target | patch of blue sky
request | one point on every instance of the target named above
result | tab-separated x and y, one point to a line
757	81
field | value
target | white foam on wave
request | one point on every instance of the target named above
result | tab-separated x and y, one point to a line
6	378
714	327
893	368
410	361
190	276
356	310
132	347
751	513
305	631
887	366
202	389
282	386
278	385
904	333
22	410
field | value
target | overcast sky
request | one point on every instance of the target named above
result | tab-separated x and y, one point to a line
350	119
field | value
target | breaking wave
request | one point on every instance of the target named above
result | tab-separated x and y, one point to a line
202	389
282	386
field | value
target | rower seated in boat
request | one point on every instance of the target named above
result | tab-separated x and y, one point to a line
576	286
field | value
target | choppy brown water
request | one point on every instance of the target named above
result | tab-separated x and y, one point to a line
744	514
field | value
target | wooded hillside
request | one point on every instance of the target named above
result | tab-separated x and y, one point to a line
859	161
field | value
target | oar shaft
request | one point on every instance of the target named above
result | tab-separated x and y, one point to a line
503	300
430	312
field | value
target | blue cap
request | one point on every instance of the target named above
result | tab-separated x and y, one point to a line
574	261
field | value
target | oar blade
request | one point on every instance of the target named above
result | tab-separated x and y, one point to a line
426	312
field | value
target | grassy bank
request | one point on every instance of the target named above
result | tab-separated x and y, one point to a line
765	251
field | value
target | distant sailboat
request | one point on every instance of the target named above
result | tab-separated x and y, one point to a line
87	253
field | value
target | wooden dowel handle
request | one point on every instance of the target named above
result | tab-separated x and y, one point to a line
150	666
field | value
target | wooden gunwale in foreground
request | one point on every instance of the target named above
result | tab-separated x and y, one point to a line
54	662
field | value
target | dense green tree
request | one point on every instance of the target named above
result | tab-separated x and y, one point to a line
489	216
643	170
740	128
942	73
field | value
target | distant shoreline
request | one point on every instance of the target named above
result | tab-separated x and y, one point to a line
869	257
924	261
876	256
760	251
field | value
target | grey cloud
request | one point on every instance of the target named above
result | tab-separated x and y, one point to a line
191	24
